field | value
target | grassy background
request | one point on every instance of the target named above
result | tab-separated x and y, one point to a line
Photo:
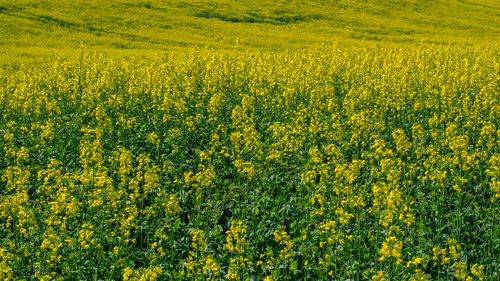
32	30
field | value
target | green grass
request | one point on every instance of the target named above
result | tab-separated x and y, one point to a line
32	30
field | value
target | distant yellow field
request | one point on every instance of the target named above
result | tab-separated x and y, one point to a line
33	30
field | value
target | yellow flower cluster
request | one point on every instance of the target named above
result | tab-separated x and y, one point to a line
235	239
147	274
198	239
285	241
198	262
391	248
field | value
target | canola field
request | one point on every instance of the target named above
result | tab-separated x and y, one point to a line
334	163
30	30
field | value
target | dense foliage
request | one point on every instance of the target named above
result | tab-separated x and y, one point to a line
333	164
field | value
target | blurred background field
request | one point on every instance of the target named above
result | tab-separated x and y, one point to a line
33	30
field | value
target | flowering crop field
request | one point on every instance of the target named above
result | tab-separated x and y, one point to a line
338	163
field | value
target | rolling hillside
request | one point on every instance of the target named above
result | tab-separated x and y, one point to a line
33	29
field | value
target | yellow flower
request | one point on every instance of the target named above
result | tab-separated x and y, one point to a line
391	247
235	239
153	138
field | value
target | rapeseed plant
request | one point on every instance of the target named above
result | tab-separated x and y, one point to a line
328	164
